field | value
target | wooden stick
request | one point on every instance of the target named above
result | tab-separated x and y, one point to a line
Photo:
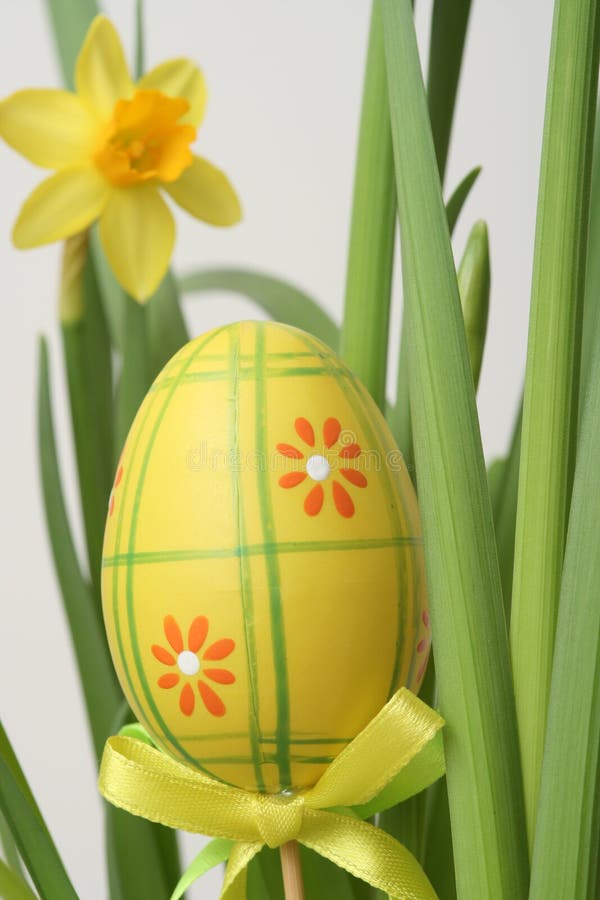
292	872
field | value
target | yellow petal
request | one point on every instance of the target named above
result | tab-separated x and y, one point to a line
101	73
60	206
51	128
206	193
179	78
138	232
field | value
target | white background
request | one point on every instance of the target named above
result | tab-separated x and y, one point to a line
285	84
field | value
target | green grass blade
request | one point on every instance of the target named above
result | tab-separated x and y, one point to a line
70	19
458	198
111	293
100	376
323	880
167	852
279	299
591	309
8	849
364	335
147	335
12	886
142	856
10	758
399	415
448	31
166	327
215	853
438	861
495	475
404	822
264	874
552	373
29	830
100	688
505	515
88	364
139	54
136	373
167	331
135	862
7	843
474	288
565	851
595	885
256	886
471	646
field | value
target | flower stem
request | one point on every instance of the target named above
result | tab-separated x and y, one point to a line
88	365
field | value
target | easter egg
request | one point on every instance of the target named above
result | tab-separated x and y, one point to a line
263	579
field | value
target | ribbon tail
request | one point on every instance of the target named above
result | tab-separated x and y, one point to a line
368	853
216	851
234	884
423	770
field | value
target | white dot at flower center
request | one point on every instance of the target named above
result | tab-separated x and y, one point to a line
188	662
318	468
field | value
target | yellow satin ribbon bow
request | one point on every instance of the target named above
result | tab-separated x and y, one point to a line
395	756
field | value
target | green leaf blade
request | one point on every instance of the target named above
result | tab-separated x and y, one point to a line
100	687
88	364
136	375
167	331
474	288
70	20
399	416
152	333
505	514
282	301
142	856
8	849
552	373
139	53
567	822
591	312
459	196
135	859
12	886
29	830
364	336
448	32
438	860
475	687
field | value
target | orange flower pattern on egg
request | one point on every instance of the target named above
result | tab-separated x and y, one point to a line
187	665
319	467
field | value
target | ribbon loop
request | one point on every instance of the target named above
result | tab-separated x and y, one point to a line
278	817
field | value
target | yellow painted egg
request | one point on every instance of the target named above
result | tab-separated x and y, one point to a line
263	580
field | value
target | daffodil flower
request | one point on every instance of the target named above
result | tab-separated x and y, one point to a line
114	145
